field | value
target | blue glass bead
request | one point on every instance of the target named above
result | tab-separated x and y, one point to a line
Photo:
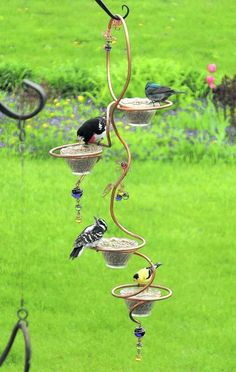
77	193
139	332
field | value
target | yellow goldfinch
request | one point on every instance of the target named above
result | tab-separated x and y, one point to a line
143	276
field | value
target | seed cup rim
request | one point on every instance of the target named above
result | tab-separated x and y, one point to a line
144	107
91	154
131	297
120	250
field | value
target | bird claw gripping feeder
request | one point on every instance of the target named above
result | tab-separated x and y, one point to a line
22	313
118	250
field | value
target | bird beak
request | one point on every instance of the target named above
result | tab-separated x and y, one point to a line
158	264
96	220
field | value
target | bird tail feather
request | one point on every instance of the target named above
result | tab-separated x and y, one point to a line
77	251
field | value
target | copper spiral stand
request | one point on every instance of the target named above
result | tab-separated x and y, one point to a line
115	104
143	294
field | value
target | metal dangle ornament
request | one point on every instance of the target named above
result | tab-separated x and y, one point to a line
77	194
117	24
107	189
109	40
122	194
139	332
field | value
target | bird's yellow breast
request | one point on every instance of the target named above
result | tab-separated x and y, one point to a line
143	276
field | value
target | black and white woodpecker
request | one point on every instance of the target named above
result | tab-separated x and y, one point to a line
92	130
89	237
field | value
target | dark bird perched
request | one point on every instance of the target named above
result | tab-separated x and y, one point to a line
92	129
157	93
143	276
89	237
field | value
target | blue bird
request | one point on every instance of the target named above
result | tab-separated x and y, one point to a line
158	93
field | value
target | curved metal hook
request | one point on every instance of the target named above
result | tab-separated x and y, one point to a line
19	326
42	100
105	8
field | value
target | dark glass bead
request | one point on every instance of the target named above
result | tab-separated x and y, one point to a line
118	197
124	165
107	47
77	193
139	332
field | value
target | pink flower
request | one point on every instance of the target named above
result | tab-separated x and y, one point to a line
212	86
211	67
210	80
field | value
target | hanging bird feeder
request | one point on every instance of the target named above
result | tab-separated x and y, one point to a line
81	158
117	251
140	111
142	302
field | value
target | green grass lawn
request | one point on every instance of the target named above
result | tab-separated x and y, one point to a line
47	35
187	215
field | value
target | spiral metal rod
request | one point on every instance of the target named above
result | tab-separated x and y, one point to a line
110	121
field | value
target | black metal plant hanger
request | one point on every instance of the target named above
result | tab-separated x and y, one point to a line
42	100
105	8
22	313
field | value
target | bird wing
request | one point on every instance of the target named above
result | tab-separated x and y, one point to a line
158	90
149	272
89	236
98	232
100	127
86	130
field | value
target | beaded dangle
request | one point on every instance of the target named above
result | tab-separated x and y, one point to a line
139	332
109	40
121	193
117	24
77	193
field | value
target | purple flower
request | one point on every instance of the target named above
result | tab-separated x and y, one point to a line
56	122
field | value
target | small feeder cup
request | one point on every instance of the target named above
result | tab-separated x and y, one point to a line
81	158
113	250
150	295
140	111
81	166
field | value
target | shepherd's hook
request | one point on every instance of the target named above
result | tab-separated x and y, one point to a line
42	100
